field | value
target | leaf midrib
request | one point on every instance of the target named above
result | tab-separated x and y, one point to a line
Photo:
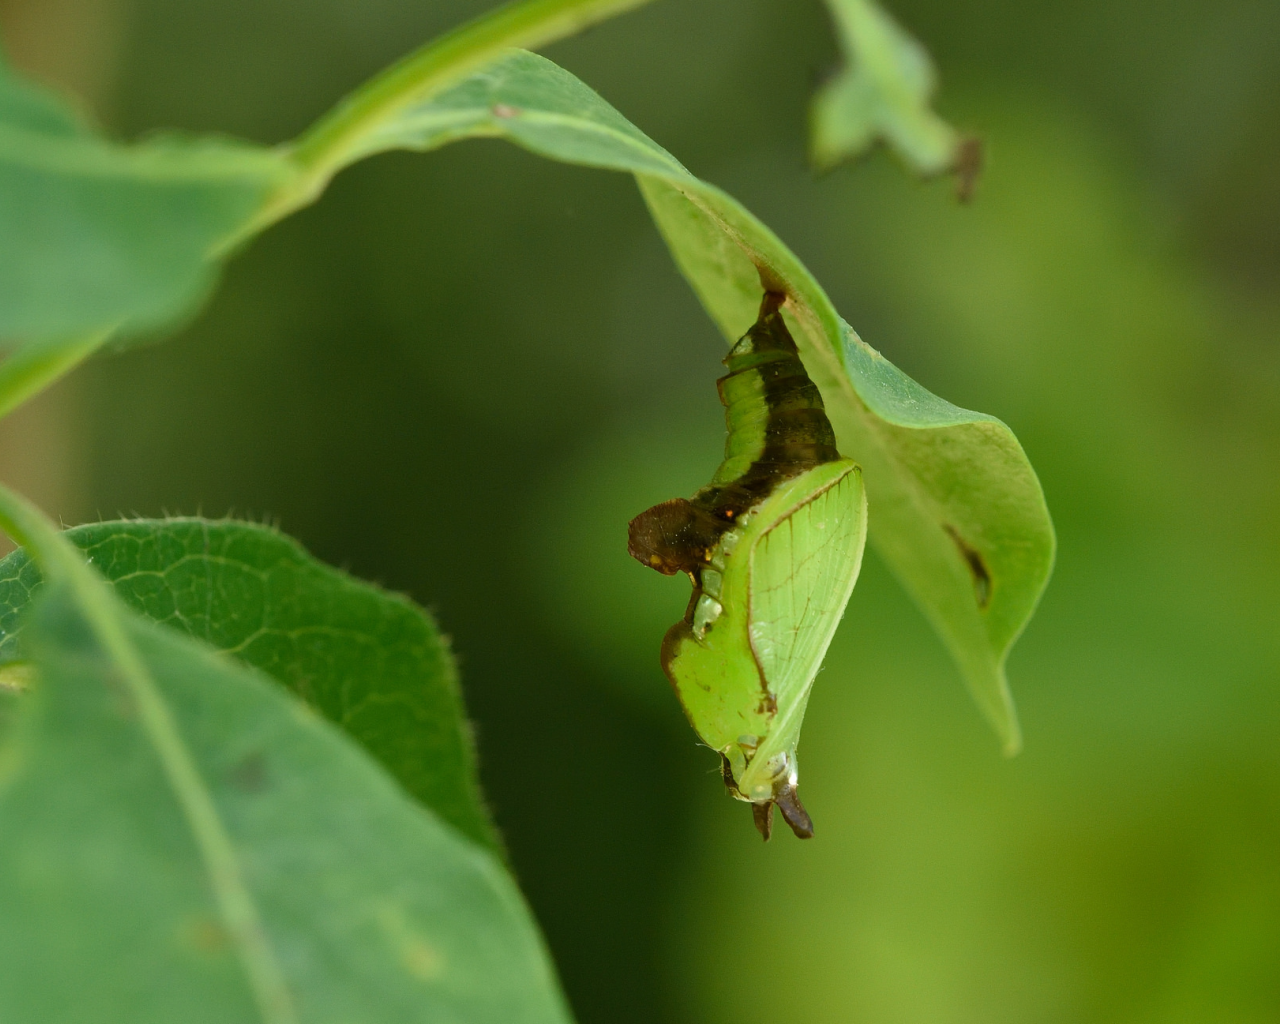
62	564
94	157
480	118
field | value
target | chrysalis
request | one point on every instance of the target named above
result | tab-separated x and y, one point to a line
773	546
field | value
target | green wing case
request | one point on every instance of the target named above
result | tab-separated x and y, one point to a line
773	546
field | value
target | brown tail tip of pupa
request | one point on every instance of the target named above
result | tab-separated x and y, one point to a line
793	813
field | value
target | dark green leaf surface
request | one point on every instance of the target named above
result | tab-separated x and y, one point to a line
955	507
370	661
96	235
181	840
882	93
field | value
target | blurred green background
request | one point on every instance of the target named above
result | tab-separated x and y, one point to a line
460	375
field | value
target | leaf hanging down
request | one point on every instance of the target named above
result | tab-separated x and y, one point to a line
955	507
183	840
95	235
883	93
370	661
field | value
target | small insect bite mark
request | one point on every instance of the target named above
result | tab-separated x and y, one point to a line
504	111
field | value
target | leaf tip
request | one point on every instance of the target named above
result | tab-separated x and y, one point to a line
1004	719
990	690
1012	739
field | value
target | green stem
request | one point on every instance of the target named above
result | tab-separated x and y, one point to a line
62	564
336	139
30	370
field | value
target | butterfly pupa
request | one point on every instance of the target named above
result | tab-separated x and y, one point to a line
773	546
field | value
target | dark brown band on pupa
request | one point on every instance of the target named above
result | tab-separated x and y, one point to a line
797	434
679	535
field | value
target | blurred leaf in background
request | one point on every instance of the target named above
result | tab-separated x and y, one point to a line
454	371
96	235
884	92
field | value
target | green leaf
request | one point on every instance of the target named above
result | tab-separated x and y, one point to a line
882	93
955	507
95	235
98	239
180	839
369	661
13	682
99	236
27	371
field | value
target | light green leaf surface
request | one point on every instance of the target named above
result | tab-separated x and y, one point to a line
9	697
955	507
370	661
240	860
100	238
881	93
96	235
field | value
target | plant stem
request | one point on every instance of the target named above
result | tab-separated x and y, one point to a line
336	139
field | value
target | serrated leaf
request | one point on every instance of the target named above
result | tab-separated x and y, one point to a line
882	93
955	507
180	839
371	662
95	235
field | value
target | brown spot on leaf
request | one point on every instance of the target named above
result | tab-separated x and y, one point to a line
967	166
206	935
249	774
977	567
